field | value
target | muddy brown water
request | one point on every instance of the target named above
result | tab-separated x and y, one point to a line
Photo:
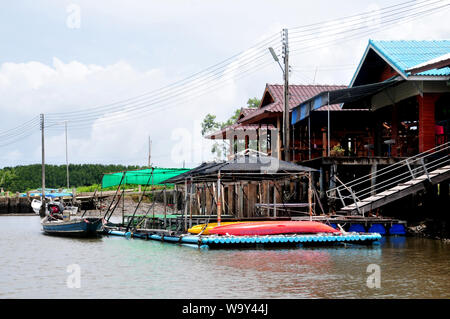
34	265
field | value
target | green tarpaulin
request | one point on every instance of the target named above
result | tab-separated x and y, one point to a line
142	177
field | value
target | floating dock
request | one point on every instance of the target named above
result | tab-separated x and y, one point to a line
212	241
382	225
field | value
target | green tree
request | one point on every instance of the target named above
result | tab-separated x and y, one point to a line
28	177
253	103
211	125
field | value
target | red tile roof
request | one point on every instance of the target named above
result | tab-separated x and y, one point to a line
297	95
245	112
239	127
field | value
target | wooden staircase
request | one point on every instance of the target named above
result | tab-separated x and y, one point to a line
409	177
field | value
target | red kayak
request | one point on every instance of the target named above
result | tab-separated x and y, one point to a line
273	228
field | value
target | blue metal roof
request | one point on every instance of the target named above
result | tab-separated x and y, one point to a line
407	54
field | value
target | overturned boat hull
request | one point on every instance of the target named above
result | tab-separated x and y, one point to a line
273	228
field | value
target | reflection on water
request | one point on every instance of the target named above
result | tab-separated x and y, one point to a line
33	265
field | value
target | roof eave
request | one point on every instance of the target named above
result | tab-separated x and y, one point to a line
429	78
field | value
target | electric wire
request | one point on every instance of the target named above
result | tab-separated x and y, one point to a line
194	86
168	105
355	27
374	29
218	66
191	92
293	30
89	115
158	99
391	21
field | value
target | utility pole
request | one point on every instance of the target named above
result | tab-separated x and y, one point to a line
286	124
42	211
329	128
67	157
149	152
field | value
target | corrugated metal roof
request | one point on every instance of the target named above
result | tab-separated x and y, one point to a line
443	60
407	54
244	166
297	95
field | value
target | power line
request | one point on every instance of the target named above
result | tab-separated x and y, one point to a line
216	67
20	128
180	98
360	25
366	14
359	34
96	113
158	98
89	114
191	92
374	29
194	86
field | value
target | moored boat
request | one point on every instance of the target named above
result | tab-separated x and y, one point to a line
273	228
75	227
58	221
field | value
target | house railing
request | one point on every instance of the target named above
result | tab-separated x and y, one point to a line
390	176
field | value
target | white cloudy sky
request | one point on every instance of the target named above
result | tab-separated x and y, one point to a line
51	62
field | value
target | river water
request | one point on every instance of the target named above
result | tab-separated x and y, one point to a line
34	265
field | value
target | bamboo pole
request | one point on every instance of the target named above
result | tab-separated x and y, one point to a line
310	195
153	200
219	201
274	200
165	207
190	202
175	199
185	205
223	195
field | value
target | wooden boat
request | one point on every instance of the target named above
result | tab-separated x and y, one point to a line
273	228
75	227
58	221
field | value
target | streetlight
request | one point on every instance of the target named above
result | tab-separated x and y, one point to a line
275	57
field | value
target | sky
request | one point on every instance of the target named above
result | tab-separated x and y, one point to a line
58	57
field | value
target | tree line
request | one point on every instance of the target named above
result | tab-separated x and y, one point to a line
29	177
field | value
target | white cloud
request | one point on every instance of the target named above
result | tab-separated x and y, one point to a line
69	84
121	136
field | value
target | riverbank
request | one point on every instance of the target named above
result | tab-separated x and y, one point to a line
433	229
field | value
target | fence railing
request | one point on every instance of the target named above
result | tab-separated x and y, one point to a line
390	176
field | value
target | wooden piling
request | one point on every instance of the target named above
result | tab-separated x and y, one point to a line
252	197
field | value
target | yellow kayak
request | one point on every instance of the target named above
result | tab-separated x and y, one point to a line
198	228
